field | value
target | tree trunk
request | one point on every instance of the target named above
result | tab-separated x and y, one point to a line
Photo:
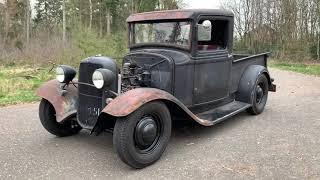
80	15
108	22
90	22
318	47
28	17
7	22
132	6
100	20
64	21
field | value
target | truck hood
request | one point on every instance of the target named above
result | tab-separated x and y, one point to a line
179	57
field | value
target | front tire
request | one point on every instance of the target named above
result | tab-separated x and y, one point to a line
142	137
48	120
260	95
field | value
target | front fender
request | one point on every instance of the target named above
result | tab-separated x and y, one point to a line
130	101
65	104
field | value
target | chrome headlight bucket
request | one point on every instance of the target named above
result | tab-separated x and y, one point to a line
65	74
97	79
60	74
103	78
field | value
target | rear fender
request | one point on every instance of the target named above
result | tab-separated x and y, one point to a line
131	100
65	103
248	81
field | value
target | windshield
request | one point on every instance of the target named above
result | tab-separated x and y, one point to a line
167	33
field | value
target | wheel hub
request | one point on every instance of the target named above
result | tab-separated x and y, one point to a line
146	132
259	94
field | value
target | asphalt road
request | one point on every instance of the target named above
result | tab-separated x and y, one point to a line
282	143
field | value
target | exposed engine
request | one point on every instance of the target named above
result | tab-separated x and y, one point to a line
146	69
134	76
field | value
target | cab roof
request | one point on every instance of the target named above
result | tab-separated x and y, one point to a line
178	14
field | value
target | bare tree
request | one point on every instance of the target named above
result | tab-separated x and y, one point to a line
318	47
64	23
28	19
101	7
288	26
7	21
91	14
108	21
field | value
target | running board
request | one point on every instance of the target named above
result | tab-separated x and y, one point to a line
224	112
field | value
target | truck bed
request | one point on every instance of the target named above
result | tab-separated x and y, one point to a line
240	64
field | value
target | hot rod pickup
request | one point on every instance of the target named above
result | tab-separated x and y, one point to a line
180	67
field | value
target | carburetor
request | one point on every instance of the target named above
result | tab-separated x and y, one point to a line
134	76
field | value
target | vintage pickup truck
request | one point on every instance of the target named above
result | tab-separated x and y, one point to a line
180	67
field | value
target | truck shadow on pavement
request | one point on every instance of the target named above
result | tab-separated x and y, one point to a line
193	129
182	135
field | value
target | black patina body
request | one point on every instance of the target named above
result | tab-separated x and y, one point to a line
201	80
192	73
196	80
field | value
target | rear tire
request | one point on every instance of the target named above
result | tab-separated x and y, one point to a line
48	120
142	137
260	95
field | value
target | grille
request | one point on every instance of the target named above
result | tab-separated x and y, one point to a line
88	110
90	101
85	76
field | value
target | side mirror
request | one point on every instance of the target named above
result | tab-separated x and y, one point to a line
206	24
204	31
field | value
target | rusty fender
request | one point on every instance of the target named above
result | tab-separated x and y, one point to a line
130	101
65	105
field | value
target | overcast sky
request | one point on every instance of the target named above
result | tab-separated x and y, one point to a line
189	3
206	4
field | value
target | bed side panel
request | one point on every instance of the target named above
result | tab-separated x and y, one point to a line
240	65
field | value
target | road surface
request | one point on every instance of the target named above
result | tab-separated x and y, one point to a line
282	143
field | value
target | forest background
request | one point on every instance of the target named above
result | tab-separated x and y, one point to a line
35	35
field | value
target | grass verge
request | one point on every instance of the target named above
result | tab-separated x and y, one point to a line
311	69
19	83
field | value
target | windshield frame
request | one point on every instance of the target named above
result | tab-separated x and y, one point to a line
131	35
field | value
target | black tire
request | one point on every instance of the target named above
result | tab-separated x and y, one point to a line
126	138
260	95
48	120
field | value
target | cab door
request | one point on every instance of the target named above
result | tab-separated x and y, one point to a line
212	60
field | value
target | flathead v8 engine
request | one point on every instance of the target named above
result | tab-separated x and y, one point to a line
147	70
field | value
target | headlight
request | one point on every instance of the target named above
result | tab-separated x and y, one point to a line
60	74
102	78
97	79
65	74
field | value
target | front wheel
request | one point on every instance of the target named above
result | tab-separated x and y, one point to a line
48	120
260	95
141	137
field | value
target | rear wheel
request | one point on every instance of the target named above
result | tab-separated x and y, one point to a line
260	95
141	137
48	120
